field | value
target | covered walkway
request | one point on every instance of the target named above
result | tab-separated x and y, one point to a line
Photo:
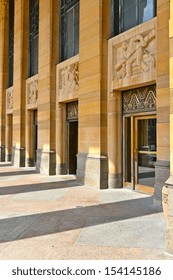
52	217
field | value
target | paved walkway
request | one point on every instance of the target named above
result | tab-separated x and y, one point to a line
52	217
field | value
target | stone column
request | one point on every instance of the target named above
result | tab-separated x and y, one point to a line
3	71
48	54
169	182
21	35
92	166
162	166
115	140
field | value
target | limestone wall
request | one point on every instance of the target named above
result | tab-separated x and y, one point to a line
169	183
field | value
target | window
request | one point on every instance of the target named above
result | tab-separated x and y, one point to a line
69	28
127	14
11	43
33	37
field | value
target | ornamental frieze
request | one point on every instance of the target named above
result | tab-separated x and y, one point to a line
135	56
139	100
9	99
69	78
32	91
132	57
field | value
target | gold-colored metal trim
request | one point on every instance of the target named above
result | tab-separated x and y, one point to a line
134	152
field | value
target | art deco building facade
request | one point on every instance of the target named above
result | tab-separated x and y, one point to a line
86	89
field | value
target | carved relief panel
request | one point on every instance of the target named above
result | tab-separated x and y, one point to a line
132	56
9	100
67	79
32	92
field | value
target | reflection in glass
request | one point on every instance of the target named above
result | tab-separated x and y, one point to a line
134	12
146	151
147	135
129	18
146	10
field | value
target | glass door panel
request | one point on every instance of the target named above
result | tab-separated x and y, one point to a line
140	152
127	146
145	151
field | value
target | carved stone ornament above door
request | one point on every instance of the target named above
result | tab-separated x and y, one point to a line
139	100
32	92
67	79
9	100
132	56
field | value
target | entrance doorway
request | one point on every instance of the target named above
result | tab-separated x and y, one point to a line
72	146
35	136
9	136
72	137
140	152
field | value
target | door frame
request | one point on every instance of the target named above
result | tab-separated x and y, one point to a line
35	135
133	123
67	141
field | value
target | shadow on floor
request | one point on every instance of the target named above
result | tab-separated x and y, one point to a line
16	173
5	164
36	225
9	190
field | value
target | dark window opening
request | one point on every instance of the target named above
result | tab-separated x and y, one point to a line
69	28
127	14
35	134
33	37
11	43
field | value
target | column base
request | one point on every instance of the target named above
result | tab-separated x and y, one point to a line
2	153
8	157
18	157
46	162
30	162
162	173
115	181
61	169
92	170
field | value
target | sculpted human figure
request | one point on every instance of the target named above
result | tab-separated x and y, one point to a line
70	77
10	99
133	51
33	92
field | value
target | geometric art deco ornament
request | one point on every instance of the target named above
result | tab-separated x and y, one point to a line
72	110
139	100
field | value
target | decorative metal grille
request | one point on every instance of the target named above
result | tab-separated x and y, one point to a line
33	37
139	100
64	7
67	4
11	43
72	110
9	99
34	18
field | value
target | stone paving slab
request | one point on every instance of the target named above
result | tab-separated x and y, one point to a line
121	234
52	217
